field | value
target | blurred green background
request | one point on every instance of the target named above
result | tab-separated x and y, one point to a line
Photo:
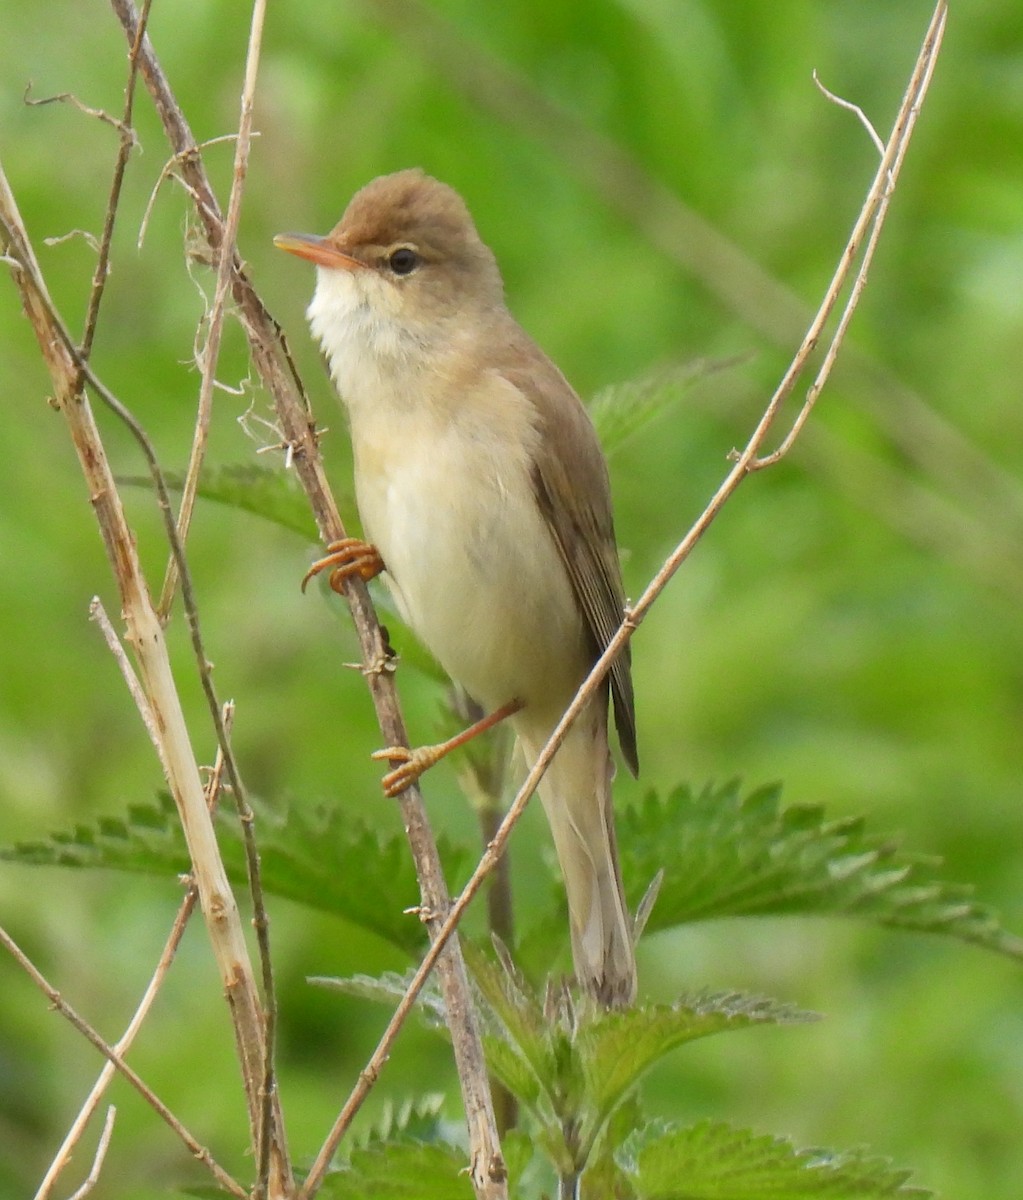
851	625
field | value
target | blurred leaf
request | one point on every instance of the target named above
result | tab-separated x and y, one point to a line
417	1119
402	1171
604	1175
617	1048
713	1161
388	988
517	1148
325	858
515	1015
622	409
272	493
724	855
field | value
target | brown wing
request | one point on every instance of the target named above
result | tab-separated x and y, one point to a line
574	495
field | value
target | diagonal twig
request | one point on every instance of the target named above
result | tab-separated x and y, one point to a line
741	470
102	1146
124	1042
61	1005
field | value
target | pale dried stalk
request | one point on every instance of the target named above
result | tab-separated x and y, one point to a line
267	1133
86	1030
145	635
869	224
273	362
742	468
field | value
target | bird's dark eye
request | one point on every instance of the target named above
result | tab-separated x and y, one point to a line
403	261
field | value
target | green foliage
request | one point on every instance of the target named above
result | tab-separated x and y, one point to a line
401	1171
574	1069
728	855
712	1161
269	492
722	854
851	623
572	1064
404	1156
323	857
622	410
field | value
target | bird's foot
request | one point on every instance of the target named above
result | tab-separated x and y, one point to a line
348	557
412	763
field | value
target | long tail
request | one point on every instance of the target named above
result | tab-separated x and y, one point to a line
576	795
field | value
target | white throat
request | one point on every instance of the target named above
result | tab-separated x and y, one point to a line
369	343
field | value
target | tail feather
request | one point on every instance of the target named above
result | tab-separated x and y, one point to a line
576	795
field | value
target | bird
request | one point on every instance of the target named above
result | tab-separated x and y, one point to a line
485	501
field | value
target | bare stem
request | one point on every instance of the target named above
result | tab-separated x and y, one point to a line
95	1096
102	1146
127	132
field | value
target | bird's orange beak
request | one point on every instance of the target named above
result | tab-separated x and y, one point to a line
319	250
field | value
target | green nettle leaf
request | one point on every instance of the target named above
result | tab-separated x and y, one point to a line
515	1019
324	858
401	1171
572	1064
725	855
623	409
417	1119
617	1048
388	989
269	492
713	1161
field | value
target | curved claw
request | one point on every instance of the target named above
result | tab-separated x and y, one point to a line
412	764
348	557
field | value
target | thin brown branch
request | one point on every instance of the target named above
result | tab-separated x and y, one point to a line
634	616
70	98
869	223
273	361
267	1135
86	1030
127	144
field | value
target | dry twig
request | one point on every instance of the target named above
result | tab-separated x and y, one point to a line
742	468
123	1044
